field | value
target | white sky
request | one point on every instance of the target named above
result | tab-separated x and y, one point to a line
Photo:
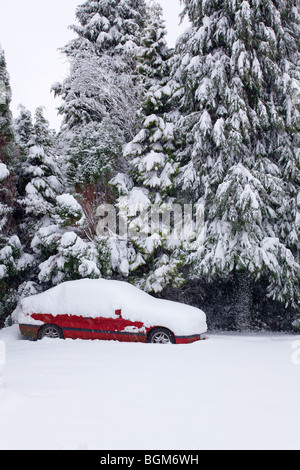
32	31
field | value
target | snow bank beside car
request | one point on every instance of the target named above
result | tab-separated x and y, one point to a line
101	298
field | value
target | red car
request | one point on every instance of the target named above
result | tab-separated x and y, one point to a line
109	310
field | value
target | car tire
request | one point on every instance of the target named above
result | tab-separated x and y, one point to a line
161	336
50	331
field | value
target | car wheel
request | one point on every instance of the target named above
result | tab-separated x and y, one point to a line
161	336
50	331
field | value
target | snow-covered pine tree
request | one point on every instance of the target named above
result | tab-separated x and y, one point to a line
102	82
66	248
239	129
93	158
13	261
100	97
15	268
154	54
7	150
7	141
23	127
37	179
290	159
153	251
112	25
7	186
53	221
41	173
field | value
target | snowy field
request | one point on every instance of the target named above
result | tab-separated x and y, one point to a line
232	391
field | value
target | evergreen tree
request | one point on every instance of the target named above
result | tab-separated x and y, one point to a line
100	98
7	142
41	174
112	25
23	127
60	233
153	255
154	53
14	262
64	248
240	134
39	182
153	252
93	158
7	153
290	160
15	267
54	223
103	81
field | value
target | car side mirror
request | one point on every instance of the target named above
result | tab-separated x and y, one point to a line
118	313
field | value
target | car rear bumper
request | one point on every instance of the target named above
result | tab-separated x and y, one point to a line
190	339
29	331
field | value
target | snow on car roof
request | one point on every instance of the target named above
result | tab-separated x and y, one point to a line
95	298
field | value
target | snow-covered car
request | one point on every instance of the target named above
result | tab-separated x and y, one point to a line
109	310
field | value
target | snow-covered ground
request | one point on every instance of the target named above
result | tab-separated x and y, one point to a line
232	391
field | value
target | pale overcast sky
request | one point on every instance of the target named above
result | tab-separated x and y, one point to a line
32	31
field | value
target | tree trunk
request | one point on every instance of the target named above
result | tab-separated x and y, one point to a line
242	301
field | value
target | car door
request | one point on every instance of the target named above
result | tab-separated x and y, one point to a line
118	328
